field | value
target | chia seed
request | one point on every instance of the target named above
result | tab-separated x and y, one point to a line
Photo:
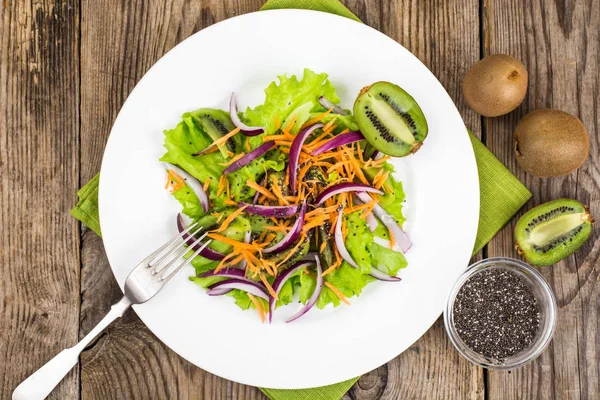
496	314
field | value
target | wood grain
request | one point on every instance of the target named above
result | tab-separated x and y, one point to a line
558	43
66	68
39	154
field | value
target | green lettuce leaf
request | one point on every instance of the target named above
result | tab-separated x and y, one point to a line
387	260
290	97
358	240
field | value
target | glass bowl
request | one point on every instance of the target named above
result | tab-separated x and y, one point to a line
546	305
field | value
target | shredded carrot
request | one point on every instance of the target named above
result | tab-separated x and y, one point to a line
224	261
258	307
338	167
247	144
318	221
290	124
277	123
206	183
278	193
222	181
337	292
283	143
234	159
262	236
268	286
227	189
317	118
283	136
367	206
322	248
381	181
236	244
276	228
392	239
229	202
230	219
173	177
220	141
368	210
330	123
260	189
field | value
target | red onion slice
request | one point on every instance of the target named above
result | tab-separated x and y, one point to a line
189	239
341	246
327	104
371	222
231	273
344	187
281	280
295	150
235	118
399	235
313	298
250	287
339	140
291	236
270	211
251	156
193	183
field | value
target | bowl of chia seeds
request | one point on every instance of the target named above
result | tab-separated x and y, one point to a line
501	313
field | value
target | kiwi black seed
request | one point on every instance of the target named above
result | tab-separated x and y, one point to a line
550	232
390	119
217	123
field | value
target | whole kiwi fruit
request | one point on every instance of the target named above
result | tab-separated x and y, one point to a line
550	232
495	85
550	143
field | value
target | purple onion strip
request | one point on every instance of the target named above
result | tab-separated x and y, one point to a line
339	140
281	280
251	156
344	187
270	211
193	184
295	150
313	298
250	287
291	236
235	118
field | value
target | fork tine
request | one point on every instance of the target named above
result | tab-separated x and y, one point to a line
166	261
158	251
159	260
171	272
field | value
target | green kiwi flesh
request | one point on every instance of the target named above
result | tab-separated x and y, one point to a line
550	232
390	119
216	123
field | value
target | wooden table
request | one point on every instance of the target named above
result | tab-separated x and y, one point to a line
66	67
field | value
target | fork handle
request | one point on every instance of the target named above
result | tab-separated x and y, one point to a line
41	382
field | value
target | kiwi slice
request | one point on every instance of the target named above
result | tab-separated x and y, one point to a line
390	119
550	232
216	123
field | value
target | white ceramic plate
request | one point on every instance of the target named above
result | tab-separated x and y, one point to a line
244	54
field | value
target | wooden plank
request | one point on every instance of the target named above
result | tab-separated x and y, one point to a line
558	43
121	40
39	142
445	37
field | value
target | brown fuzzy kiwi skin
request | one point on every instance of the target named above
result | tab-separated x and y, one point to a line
549	143
495	85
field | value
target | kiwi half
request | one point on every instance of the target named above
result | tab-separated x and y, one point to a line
550	232
390	119
217	123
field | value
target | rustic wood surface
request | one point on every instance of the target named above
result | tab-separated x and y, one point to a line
66	67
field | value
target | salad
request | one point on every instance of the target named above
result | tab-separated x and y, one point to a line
296	195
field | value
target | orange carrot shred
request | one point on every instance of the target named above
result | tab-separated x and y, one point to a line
231	242
337	292
268	286
260	189
258	307
230	219
322	248
206	183
318	118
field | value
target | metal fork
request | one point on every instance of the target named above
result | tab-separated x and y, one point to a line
143	283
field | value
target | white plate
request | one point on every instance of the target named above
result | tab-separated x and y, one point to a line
244	54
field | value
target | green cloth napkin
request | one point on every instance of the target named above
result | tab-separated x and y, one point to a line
502	195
